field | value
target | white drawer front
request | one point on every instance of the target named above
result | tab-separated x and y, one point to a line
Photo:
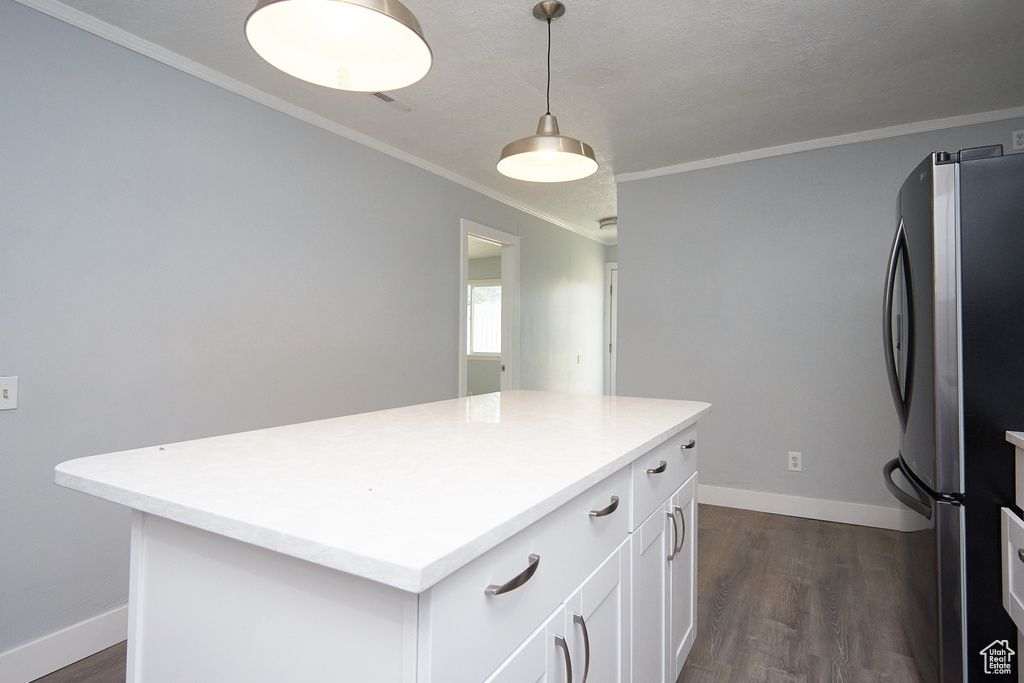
1013	566
465	634
653	483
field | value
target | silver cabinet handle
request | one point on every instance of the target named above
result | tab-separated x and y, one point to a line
687	446
582	623
560	642
675	535
682	535
608	510
659	469
517	580
1020	554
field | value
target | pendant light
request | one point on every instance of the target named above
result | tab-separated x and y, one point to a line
547	157
362	45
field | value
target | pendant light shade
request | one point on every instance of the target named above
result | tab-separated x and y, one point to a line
547	157
361	45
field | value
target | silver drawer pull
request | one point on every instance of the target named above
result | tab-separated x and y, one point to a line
1020	554
608	510
675	535
682	534
659	469
560	642
582	623
516	581
687	446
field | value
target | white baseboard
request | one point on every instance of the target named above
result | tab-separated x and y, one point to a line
812	508
55	651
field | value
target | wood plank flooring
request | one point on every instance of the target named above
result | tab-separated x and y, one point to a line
779	599
789	599
106	666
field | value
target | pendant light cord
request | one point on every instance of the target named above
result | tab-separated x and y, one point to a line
549	67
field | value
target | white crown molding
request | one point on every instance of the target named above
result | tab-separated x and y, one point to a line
79	19
823	143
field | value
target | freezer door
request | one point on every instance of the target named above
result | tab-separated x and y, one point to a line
932	578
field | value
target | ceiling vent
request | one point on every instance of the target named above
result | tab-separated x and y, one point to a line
392	102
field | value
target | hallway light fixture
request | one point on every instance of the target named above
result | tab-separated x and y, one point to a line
361	45
547	157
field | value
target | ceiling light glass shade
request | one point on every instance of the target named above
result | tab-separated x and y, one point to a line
547	157
362	45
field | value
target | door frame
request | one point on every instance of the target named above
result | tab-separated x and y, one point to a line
611	323
509	301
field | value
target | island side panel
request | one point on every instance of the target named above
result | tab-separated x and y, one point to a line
207	608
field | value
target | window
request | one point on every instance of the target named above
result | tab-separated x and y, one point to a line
484	317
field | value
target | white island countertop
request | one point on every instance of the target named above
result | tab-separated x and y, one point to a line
1016	438
404	496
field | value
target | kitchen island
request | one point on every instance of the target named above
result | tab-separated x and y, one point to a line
462	540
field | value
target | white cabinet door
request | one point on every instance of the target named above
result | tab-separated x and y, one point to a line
597	618
543	658
649	546
682	573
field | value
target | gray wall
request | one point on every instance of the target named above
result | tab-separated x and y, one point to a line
758	287
484	268
562	314
483	375
179	262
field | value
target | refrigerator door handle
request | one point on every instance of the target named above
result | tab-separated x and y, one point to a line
900	396
917	505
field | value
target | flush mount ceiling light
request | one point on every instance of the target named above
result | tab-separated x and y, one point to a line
547	157
362	45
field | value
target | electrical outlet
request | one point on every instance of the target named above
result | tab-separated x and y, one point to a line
1018	139
8	393
795	463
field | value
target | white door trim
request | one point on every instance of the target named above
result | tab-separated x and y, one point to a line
509	301
611	314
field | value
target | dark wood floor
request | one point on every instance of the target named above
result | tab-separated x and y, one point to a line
780	599
107	666
789	599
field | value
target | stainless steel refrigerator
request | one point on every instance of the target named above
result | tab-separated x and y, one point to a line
954	350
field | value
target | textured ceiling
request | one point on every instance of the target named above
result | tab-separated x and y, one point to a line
648	83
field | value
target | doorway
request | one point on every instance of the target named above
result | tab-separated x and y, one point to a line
488	341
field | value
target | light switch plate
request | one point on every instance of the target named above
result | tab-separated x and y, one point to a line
8	393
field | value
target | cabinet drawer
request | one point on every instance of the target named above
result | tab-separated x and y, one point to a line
466	634
1013	566
653	483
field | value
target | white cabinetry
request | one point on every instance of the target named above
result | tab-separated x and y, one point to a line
664	559
650	568
638	608
598	622
541	659
550	560
587	637
1012	537
682	575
